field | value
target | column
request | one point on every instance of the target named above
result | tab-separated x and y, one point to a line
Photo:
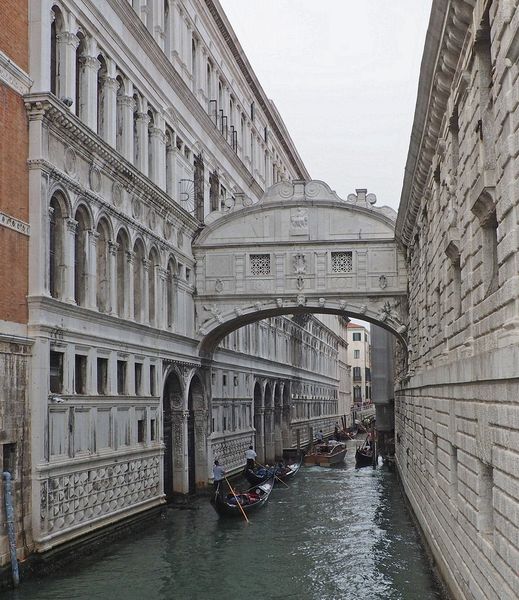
158	296
161	296
88	87
201	434
158	149
67	45
112	266
68	261
128	305
180	451
145	292
269	436
170	169
142	142
259	425
91	275
110	87
125	108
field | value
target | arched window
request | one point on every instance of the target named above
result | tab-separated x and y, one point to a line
136	145
152	291
119	118
101	97
138	281
170	157
81	256
55	30
151	157
167	29
170	282
103	269
79	74
122	273
56	254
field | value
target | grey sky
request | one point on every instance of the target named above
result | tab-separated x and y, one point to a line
343	74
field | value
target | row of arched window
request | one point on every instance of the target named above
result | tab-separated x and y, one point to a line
87	80
93	266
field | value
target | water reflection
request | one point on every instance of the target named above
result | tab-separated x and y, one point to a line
335	534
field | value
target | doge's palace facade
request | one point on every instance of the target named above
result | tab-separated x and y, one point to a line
457	411
144	118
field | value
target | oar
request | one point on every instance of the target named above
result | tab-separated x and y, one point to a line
275	476
237	501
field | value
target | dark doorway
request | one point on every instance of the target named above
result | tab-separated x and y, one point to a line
172	397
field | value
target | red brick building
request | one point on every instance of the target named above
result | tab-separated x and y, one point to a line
14	244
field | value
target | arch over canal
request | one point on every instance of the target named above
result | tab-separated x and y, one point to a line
300	249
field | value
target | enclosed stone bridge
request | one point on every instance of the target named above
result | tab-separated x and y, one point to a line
300	249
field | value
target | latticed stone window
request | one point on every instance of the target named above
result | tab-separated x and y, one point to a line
342	262
260	264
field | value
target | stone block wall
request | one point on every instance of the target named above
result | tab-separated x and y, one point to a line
457	408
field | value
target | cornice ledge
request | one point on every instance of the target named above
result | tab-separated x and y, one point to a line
448	26
13	76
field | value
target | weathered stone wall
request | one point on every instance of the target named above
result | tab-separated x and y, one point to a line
457	409
14	441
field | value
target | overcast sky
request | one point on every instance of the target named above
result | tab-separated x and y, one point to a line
343	74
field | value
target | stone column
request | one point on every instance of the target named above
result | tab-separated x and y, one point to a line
110	87
91	283
88	94
68	260
128	305
170	186
180	451
278	439
157	321
125	108
270	451
142	142
145	292
158	150
259	425
67	45
112	257
201	433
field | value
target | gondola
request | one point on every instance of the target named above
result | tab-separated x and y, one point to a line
225	503
363	457
285	472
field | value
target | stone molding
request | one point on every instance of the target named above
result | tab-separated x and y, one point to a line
15	224
13	76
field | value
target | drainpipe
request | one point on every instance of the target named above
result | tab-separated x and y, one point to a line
9	511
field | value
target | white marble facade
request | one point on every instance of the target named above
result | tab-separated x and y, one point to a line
142	123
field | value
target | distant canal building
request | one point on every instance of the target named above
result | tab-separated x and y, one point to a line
128	127
457	409
359	357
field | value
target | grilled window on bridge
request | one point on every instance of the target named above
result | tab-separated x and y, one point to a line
260	264
342	262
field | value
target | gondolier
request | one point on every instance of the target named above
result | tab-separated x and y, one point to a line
250	455
218	474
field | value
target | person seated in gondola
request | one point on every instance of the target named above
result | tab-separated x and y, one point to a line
319	436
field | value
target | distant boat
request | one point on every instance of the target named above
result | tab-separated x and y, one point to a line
250	500
326	455
284	472
364	456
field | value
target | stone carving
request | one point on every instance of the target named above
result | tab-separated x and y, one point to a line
300	283
95	178
117	194
299	264
180	238
279	302
218	286
152	219
342	304
214	311
71	499
363	309
238	311
322	302
136	208
299	221
301	300
382	281
70	161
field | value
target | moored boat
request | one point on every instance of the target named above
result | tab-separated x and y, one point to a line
249	500
326	455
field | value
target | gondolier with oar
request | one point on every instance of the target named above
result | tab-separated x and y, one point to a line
218	475
250	456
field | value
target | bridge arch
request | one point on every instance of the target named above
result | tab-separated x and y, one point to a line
300	249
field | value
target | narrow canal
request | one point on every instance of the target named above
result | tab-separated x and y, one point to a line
335	534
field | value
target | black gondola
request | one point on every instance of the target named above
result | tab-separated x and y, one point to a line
250	500
283	473
363	457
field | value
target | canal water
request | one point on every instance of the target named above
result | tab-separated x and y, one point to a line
334	534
